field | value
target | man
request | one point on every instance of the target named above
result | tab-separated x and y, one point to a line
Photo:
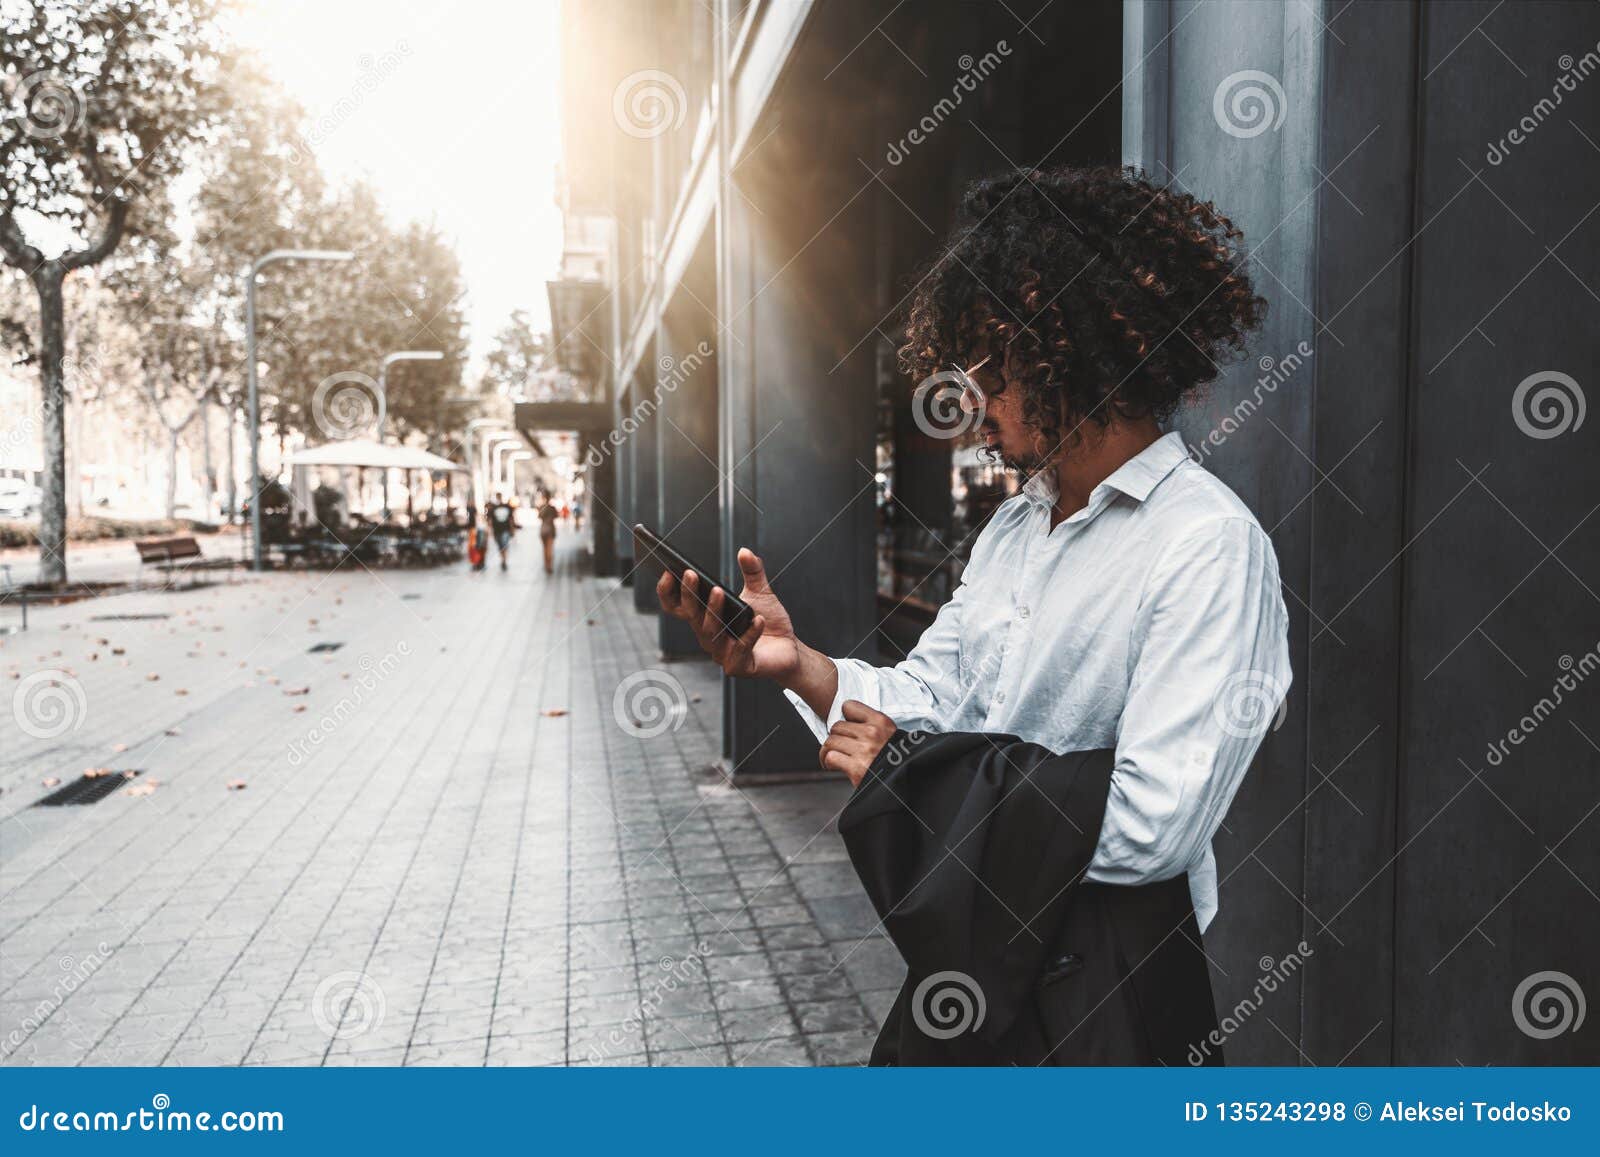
1125	599
503	523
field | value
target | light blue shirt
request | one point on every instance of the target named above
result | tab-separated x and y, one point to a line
1151	621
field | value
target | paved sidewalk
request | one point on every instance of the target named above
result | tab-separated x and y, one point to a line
438	844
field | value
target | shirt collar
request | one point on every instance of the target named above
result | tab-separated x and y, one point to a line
1136	477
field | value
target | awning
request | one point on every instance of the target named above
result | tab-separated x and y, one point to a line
365	452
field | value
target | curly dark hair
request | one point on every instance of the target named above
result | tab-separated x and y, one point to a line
1096	292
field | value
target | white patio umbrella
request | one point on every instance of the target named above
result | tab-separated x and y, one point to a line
363	453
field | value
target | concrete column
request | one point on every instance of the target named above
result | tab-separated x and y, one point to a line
601	500
686	420
799	405
622	459
643	448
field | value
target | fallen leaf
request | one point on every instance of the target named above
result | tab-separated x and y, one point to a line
152	677
148	787
181	691
95	772
174	731
50	781
554	712
119	650
299	707
297	690
119	747
236	785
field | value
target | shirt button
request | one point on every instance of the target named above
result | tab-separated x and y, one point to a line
1022	612
1000	698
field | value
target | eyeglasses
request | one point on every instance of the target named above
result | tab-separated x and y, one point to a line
973	399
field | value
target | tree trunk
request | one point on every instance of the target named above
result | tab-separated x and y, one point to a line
74	456
53	502
172	473
208	487
233	467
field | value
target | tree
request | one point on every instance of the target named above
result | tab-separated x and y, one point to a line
518	354
259	188
165	304
101	100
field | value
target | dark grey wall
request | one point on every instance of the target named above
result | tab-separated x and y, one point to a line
1440	564
1502	866
800	413
688	480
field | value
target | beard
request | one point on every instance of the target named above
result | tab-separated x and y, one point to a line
1027	464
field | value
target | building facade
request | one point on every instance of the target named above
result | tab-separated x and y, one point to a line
756	187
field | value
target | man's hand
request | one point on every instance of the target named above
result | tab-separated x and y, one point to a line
854	742
767	650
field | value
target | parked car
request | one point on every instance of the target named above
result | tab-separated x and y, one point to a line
19	499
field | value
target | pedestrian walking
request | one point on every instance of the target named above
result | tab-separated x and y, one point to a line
548	513
503	522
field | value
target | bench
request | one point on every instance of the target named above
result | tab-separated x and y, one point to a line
180	553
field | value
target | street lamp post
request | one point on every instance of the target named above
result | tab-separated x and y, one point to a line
499	462
511	467
472	469
383	407
492	442
383	379
250	369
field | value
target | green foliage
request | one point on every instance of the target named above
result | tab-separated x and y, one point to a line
26	534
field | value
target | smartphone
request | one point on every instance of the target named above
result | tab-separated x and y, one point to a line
736	613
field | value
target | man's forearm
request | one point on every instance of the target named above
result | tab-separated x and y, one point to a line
815	680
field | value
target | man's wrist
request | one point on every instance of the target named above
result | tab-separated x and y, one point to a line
815	679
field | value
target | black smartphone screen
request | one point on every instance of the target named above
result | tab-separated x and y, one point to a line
736	613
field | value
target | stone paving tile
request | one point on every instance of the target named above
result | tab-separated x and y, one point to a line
447	849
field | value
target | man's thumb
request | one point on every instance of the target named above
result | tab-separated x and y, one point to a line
755	575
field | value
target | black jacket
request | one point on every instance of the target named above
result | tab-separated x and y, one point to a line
973	849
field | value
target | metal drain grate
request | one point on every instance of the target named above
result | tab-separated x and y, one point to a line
88	789
322	648
125	618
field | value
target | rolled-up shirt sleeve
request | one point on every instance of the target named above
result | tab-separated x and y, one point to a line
1210	669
